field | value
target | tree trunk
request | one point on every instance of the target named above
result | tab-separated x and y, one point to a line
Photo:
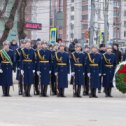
10	22
21	33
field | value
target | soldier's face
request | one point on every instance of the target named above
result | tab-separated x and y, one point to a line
62	48
109	50
22	45
28	44
78	49
94	50
6	46
87	49
39	46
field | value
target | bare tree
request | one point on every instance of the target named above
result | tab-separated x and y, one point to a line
4	8
10	21
21	22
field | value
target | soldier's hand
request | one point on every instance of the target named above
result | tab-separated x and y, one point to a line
89	74
50	72
56	74
83	73
100	74
1	71
22	72
73	73
38	73
33	71
104	74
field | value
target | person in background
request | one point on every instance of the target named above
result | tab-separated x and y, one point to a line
102	50
109	65
117	53
86	85
13	45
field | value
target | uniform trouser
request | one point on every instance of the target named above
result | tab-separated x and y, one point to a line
86	85
77	89
53	83
100	85
36	84
61	92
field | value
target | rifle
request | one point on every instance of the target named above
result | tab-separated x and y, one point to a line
57	85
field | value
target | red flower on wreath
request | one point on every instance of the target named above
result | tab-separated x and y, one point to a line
123	70
124	80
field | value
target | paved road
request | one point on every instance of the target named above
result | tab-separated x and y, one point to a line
69	111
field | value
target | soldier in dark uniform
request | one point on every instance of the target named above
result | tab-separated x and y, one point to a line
19	76
44	68
102	50
61	70
86	85
53	65
27	58
6	67
78	69
109	64
94	68
36	81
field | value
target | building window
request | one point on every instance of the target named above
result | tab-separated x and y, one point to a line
125	24
72	17
84	8
125	13
72	35
84	17
72	1
72	26
124	33
84	26
72	8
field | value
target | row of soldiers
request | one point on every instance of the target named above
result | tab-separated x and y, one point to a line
46	66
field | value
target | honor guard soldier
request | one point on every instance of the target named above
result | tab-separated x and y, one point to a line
78	69
27	58
53	77
62	70
6	67
36	82
109	64
94	68
19	76
86	85
44	68
102	50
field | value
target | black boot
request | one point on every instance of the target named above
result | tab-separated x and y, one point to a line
8	90
106	92
20	86
42	91
36	90
75	91
78	91
94	93
28	91
109	92
4	90
45	91
25	91
63	93
59	94
91	93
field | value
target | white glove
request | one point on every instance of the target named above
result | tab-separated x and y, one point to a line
104	74
89	74
38	73
18	68
1	71
83	73
100	74
22	72
50	72
73	73
33	71
56	74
